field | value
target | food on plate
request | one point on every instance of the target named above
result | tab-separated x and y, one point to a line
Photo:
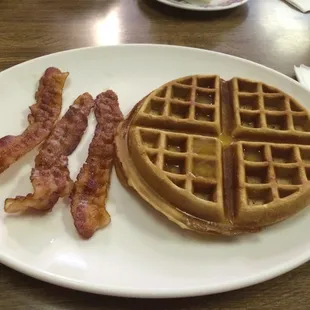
215	156
90	190
50	177
44	114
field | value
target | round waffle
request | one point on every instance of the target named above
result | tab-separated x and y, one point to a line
215	156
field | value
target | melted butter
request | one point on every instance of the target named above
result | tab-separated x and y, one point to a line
203	170
255	202
226	140
284	181
299	128
173	168
274	126
150	144
174	148
253	156
203	196
203	147
180	98
280	160
254	180
248	124
155	112
204	99
205	117
246	107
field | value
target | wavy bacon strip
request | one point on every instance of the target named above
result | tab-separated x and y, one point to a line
91	188
51	178
44	114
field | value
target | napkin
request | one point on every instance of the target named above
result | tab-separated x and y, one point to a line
303	75
302	5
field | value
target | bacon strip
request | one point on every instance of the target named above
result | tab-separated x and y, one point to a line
51	178
44	114
91	188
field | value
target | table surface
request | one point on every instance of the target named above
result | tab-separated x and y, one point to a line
270	32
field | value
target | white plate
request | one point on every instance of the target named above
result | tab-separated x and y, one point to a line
140	253
204	5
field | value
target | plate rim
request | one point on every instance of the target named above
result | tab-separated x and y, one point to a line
193	7
126	291
129	292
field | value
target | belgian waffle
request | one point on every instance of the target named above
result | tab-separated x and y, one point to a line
266	113
186	150
273	176
188	104
189	166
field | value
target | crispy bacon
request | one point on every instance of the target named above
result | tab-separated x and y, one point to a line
44	114
90	190
51	178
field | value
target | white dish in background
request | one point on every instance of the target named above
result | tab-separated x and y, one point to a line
204	5
140	254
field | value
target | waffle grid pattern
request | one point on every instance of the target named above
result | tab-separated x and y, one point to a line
270	172
189	161
194	100
192	159
263	107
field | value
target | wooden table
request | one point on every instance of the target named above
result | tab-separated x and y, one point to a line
269	32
